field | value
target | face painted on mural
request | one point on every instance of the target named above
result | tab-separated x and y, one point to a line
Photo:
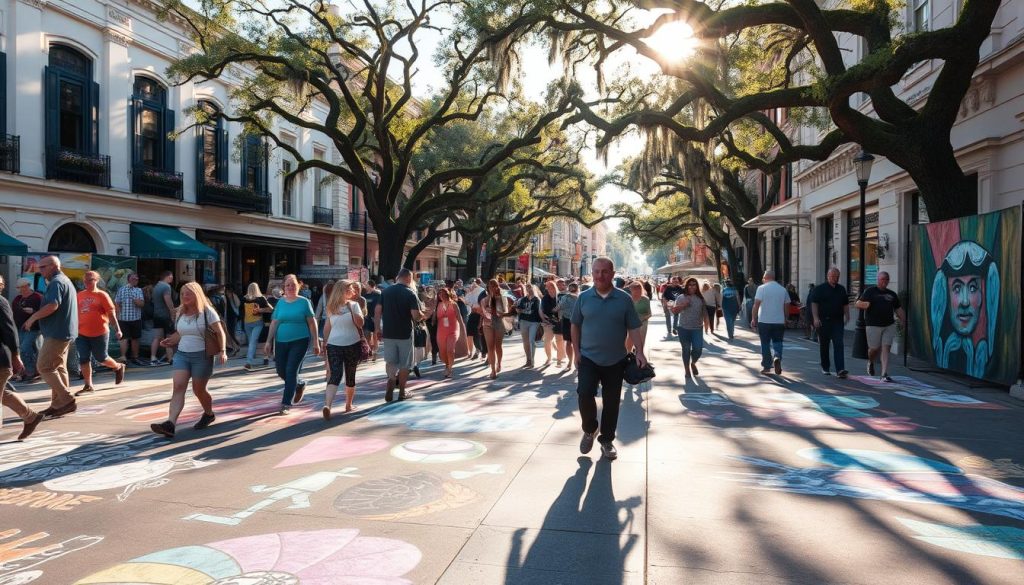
966	301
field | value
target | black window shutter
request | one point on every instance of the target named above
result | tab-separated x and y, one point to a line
135	119
52	97
94	118
168	143
200	159
222	153
3	94
265	174
245	163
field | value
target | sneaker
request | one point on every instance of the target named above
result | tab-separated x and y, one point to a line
693	368
403	394
266	361
609	451
84	390
285	409
119	374
416	372
66	409
587	442
871	368
842	374
30	426
887	378
165	428
154	362
777	363
300	391
247	367
825	372
389	394
204	421
163	361
766	371
326	412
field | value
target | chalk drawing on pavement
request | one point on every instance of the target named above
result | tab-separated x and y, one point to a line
402	496
331	449
880	461
910	388
22	578
708	399
1005	542
966	492
489	469
999	468
297	492
132	476
445	418
812	411
315	556
444	450
27	498
30	551
50	454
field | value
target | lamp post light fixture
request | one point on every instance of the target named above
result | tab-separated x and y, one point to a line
862	163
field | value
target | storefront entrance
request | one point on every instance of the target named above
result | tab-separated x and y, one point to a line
245	259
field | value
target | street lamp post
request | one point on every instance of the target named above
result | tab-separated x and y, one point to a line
366	243
533	249
862	163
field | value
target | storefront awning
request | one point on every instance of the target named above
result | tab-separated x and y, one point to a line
456	262
688	269
167	243
786	215
10	246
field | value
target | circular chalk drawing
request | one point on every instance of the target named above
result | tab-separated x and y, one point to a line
439	450
402	496
878	461
285	558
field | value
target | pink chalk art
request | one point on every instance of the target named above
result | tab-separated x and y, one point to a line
331	449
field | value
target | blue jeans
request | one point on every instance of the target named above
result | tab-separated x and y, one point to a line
831	331
288	356
730	322
771	338
252	334
29	348
748	311
528	330
692	341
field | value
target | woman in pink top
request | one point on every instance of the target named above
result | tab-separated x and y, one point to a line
450	328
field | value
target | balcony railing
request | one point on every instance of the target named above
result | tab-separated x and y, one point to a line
357	221
10	153
150	181
323	215
234	197
65	164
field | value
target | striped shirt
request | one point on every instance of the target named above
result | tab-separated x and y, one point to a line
126	309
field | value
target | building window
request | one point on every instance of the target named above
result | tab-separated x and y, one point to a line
151	124
318	181
921	16
72	102
853	253
254	164
287	190
71	238
354	206
213	145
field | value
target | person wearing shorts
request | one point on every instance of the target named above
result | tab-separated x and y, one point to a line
880	304
130	300
97	318
191	362
400	307
163	324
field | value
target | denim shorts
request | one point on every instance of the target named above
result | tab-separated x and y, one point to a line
196	363
92	346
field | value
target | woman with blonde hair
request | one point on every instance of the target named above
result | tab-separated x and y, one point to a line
450	328
343	335
193	317
292	332
552	324
254	306
493	310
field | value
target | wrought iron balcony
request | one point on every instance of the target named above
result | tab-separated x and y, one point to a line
241	199
150	181
357	221
10	153
323	215
64	164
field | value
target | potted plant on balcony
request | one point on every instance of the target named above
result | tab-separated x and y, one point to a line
76	161
160	178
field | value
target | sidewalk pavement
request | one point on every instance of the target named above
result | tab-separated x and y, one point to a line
728	478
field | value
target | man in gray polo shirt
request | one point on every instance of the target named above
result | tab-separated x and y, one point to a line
601	320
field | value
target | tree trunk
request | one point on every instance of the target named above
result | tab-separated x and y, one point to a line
471	248
755	267
391	251
947	193
490	265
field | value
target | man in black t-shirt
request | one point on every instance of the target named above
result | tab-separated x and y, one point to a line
400	308
880	304
830	309
371	321
668	298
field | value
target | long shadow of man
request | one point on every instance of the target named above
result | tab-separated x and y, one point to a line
581	541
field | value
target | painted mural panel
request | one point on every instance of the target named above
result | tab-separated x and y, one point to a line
965	287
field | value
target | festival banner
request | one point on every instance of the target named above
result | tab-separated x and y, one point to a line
965	291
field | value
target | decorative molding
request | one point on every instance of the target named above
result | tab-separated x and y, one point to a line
981	95
118	17
834	168
40	4
117	37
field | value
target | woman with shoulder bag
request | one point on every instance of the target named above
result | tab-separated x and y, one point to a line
566	304
493	310
199	336
552	324
254	307
692	312
343	332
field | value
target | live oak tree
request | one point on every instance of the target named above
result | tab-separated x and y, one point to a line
360	68
758	56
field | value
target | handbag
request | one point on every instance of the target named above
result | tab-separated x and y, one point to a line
364	346
213	337
539	336
419	335
718	312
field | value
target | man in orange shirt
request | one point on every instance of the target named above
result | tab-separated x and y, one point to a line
96	312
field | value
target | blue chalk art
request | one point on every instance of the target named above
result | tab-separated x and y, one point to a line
445	418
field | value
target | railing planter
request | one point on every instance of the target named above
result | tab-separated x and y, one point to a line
10	153
233	197
323	216
69	165
149	181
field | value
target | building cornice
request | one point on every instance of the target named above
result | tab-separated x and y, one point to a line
835	167
40	4
117	37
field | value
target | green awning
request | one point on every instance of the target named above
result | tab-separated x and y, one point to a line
167	243
10	246
457	262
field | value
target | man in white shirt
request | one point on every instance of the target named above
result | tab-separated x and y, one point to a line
769	318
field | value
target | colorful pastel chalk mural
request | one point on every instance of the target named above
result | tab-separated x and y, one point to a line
965	290
132	476
902	478
323	449
445	418
1003	542
403	496
811	411
315	557
26	498
18	553
51	454
444	450
910	388
999	468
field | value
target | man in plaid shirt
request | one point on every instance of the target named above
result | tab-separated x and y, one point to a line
129	301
